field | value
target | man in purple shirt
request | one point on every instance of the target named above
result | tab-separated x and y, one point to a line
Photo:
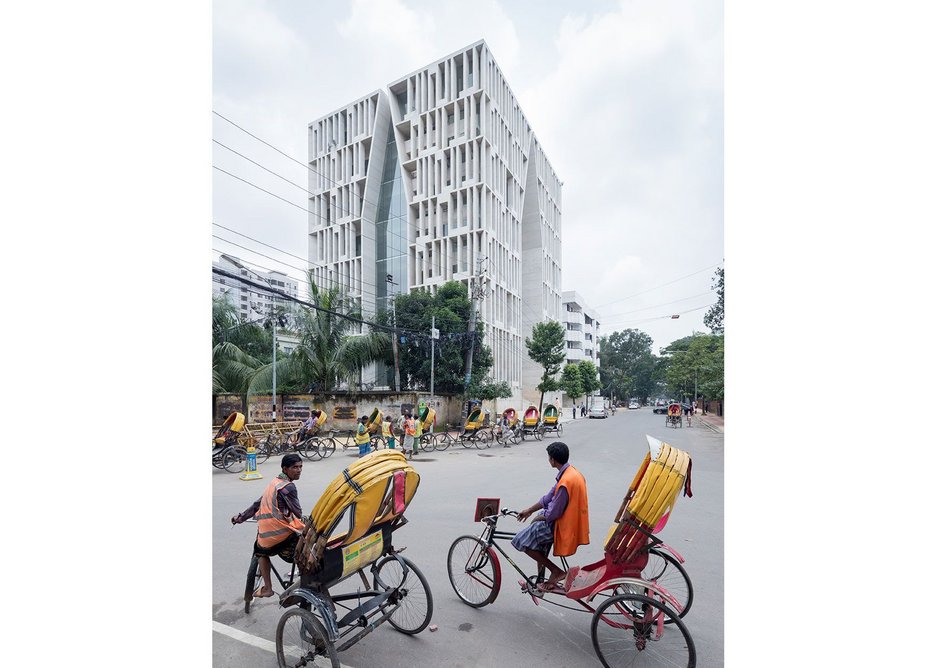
535	540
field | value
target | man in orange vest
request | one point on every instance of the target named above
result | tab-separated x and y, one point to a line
564	520
279	522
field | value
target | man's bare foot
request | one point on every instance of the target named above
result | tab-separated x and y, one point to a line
263	593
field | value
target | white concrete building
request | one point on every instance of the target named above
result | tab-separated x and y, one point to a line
432	179
582	329
252	304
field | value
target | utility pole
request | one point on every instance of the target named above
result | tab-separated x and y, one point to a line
433	335
274	315
478	290
393	302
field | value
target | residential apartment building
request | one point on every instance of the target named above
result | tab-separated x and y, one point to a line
440	177
252	303
582	329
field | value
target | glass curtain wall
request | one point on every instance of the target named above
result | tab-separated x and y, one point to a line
391	238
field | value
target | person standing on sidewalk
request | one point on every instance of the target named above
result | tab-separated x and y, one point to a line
387	432
417	433
408	431
362	437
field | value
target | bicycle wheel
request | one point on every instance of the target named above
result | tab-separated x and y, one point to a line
443	441
415	606
474	571
629	629
263	450
665	570
427	442
253	578
303	641
378	442
326	446
234	459
310	449
483	440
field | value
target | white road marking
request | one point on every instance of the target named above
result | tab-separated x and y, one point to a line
256	641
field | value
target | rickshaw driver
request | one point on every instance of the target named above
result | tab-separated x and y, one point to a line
564	520
279	523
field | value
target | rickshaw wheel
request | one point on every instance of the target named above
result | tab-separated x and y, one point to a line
630	629
482	440
310	448
481	587
415	608
233	460
326	446
301	630
253	577
664	570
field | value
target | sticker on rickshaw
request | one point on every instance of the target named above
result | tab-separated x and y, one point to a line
362	552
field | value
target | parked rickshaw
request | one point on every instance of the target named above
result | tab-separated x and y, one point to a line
637	593
373	425
227	452
509	429
551	421
531	426
349	533
675	416
474	431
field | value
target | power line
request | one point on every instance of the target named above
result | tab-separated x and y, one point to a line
659	286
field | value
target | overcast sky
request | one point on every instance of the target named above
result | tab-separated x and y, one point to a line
625	98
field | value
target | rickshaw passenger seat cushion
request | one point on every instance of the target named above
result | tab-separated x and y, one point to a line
400	488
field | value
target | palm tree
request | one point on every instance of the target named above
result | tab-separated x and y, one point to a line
231	368
331	350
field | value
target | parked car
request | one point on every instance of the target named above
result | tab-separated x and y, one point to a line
660	410
632	405
598	412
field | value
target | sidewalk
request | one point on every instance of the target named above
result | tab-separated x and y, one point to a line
712	421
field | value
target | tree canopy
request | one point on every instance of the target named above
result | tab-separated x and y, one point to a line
451	306
547	347
628	368
714	316
696	363
571	382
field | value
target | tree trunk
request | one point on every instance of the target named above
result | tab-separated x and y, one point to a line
540	408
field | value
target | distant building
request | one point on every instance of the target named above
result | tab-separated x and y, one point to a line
440	177
251	303
582	329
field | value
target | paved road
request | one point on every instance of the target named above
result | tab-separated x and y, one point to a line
512	631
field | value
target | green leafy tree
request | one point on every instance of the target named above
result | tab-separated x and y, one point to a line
571	381
547	347
451	306
714	316
332	349
629	369
231	367
589	377
695	363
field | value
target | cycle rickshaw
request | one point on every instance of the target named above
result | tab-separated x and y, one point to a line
349	533
675	416
637	593
510	428
531	425
551	421
474	430
227	451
